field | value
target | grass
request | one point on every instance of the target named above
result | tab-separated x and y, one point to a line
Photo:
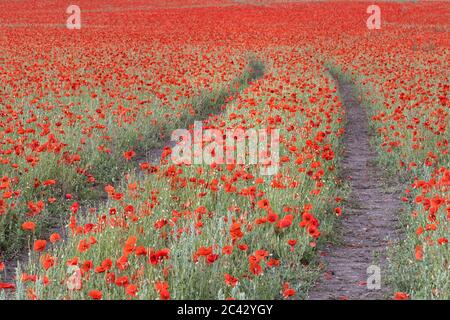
107	168
174	198
427	277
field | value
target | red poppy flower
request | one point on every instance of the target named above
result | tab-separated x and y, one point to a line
49	182
419	253
96	294
235	231
141	251
273	263
264	204
122	281
131	290
9	286
47	261
129	154
87	265
211	258
401	296
83	246
227	250
288	291
286	221
230	280
55	237
292	242
272	217
163	289
243	247
203	251
39	245
28	226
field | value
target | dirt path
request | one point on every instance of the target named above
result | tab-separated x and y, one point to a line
369	218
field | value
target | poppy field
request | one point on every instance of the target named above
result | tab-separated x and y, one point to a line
93	205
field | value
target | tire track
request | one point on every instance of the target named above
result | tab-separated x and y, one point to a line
370	216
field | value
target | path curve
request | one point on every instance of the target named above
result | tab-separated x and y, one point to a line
370	217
